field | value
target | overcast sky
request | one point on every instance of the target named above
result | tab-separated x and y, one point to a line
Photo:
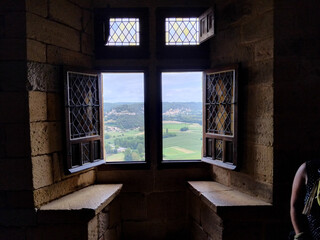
176	87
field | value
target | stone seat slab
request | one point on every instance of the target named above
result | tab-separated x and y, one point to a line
221	198
79	206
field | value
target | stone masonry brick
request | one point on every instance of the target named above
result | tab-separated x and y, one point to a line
51	32
211	222
57	166
138	212
54	106
42	171
58	55
93	229
194	206
36	51
261	156
43	77
260	100
45	137
64	187
37	106
133	180
115	209
71	14
197	231
260	130
260	27
87	43
83	3
87	22
264	50
39	7
103	222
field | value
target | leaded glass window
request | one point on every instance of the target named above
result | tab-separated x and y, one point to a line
83	103
124	32
220	103
220	117
182	31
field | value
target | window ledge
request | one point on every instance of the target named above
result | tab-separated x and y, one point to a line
81	205
219	163
219	197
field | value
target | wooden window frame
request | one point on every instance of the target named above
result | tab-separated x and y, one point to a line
79	142
164	51
101	27
212	137
207	27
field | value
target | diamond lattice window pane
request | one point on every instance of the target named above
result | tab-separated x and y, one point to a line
220	103
182	31
218	149
83	102
124	32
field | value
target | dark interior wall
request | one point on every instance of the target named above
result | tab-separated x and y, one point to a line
16	198
244	36
296	87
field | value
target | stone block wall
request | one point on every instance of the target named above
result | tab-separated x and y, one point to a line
58	33
244	35
153	202
36	39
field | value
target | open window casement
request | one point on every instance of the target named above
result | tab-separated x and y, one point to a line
206	25
220	117
84	121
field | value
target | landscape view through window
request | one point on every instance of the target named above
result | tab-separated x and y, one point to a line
123	115
181	115
124	133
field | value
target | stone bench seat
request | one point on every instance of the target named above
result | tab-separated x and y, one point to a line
86	214
220	212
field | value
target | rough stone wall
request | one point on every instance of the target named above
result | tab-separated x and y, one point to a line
244	35
36	38
58	33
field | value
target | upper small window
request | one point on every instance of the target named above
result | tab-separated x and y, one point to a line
124	32
182	31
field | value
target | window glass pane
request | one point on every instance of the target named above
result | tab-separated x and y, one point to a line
181	115
220	103
123	107
124	32
182	31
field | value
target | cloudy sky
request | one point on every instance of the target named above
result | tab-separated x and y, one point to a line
176	87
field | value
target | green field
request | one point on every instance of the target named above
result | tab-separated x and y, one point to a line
183	145
186	145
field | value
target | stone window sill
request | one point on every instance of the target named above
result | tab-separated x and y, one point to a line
221	198
81	205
